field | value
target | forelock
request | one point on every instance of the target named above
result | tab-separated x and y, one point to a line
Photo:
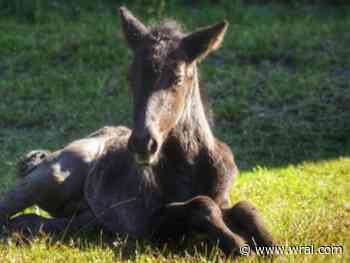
163	38
167	30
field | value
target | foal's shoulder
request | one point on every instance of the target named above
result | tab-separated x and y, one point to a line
225	173
225	153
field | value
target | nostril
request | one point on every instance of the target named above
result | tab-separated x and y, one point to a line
152	146
144	144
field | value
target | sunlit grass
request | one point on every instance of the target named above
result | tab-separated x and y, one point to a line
304	205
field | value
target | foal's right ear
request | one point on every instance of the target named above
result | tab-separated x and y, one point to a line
134	30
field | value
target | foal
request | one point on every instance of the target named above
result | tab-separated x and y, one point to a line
167	177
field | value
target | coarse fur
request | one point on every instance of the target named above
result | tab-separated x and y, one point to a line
167	177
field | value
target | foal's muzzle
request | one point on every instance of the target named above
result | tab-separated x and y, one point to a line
145	148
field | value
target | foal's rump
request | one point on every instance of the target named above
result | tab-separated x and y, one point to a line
63	174
55	181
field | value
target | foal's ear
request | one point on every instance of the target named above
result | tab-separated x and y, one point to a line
200	43
134	30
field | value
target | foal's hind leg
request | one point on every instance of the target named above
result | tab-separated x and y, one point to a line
32	225
25	194
245	220
29	191
30	161
200	214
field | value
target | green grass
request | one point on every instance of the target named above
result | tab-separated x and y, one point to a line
279	88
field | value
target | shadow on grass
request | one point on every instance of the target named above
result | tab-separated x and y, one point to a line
123	248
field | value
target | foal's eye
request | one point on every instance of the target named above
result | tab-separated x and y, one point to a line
175	77
176	80
178	77
179	73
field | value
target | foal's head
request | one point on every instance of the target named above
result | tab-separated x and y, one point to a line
162	75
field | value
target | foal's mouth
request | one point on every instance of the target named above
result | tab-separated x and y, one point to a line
145	160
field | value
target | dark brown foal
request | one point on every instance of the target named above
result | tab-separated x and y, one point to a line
169	176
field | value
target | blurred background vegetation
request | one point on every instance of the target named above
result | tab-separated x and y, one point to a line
279	87
34	10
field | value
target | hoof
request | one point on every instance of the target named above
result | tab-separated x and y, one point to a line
30	161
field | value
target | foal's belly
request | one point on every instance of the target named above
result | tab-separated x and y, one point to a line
132	218
121	196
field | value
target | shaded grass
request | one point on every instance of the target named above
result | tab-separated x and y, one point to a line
279	88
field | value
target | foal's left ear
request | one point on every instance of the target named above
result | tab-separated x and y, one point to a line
200	43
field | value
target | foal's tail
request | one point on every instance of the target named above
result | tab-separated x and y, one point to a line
30	161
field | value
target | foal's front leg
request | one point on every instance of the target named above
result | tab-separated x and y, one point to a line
245	220
200	214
